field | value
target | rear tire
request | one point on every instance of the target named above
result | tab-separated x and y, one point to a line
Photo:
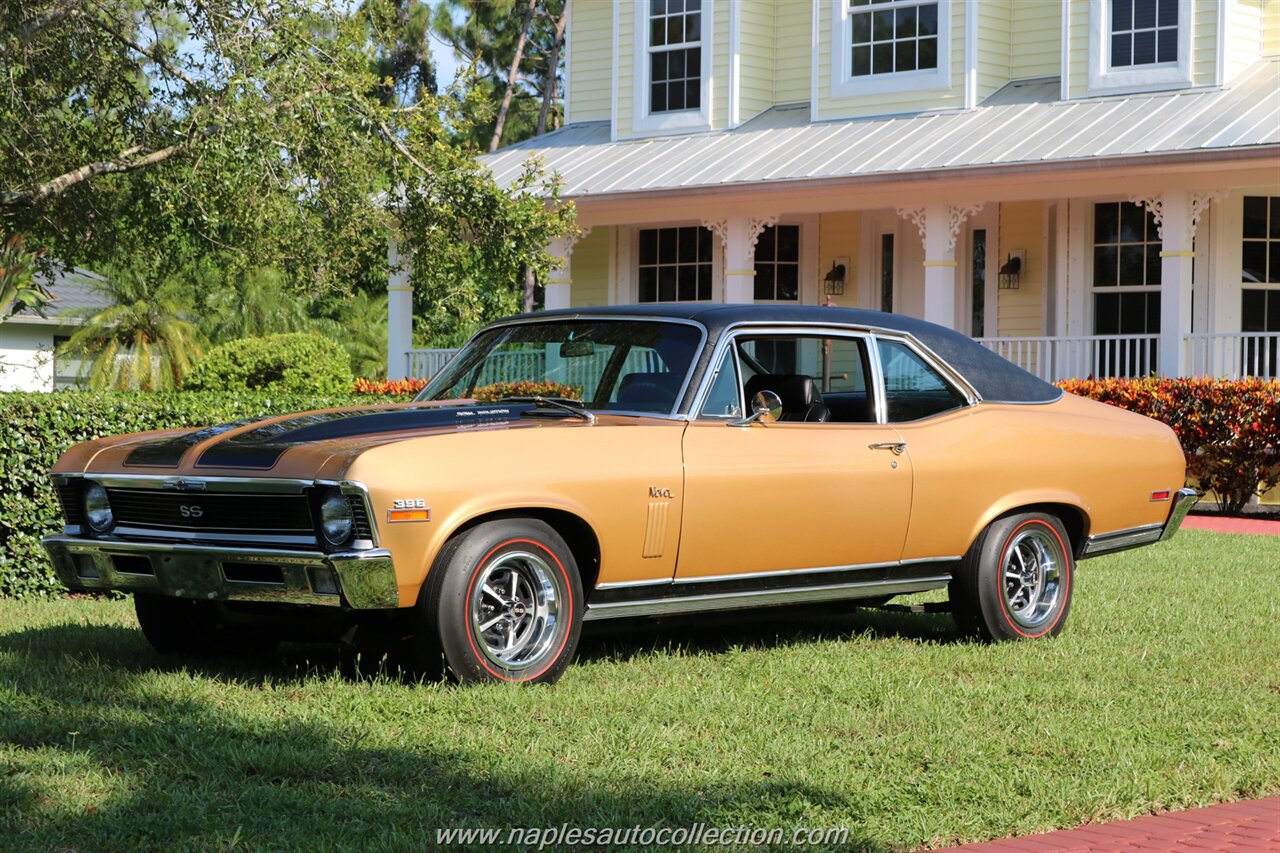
503	603
1016	581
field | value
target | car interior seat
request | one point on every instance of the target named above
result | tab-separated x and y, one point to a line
801	399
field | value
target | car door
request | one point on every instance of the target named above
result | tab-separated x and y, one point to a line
794	495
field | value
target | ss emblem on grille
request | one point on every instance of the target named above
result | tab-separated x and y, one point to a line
190	511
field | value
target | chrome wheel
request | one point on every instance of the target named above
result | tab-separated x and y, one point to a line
515	609
1032	578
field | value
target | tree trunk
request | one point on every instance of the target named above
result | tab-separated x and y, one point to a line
550	86
512	76
529	280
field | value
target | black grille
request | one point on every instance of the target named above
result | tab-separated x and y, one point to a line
206	512
360	528
69	497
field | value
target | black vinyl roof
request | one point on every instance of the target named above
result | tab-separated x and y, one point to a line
996	379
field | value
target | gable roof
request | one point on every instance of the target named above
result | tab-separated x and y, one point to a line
74	296
1022	125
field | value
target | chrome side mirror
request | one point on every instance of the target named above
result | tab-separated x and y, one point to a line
766	408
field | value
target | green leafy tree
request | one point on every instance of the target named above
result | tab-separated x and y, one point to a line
515	47
171	129
142	341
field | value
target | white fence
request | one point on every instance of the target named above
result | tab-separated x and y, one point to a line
1234	355
582	372
1226	354
1053	358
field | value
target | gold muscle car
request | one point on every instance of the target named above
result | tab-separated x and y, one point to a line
621	462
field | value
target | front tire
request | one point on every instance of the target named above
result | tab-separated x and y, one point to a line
503	603
1016	581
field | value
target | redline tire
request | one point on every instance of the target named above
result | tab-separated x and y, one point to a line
1016	581
503	603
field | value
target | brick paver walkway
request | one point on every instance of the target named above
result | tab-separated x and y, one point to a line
1232	525
1252	826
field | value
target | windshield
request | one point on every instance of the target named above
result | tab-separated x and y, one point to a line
619	365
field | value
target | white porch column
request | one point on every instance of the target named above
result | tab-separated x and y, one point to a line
399	309
738	236
939	225
1176	212
559	290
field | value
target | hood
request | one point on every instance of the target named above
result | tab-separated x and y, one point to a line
293	445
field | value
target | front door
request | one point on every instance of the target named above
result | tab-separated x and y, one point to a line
820	489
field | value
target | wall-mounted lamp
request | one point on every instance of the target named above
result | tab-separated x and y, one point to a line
833	281
1011	272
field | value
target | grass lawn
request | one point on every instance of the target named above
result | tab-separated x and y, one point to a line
1163	693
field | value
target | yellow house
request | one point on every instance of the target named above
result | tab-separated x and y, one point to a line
1089	187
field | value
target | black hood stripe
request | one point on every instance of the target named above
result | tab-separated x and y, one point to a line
168	452
261	448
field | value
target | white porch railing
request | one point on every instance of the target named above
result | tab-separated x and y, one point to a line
1054	358
1225	354
508	366
1234	355
425	363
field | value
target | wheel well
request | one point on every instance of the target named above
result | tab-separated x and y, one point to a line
1072	517
575	532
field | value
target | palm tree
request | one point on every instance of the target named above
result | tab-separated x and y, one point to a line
359	323
18	286
253	305
143	341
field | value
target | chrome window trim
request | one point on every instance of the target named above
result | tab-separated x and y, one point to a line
732	331
696	411
672	414
930	358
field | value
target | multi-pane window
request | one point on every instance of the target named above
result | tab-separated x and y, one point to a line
1126	286
675	55
1260	275
675	264
1143	32
893	35
778	264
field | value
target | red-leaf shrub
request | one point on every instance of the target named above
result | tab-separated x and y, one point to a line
394	387
1229	428
485	393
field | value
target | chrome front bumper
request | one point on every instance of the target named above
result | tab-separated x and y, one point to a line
364	580
1121	540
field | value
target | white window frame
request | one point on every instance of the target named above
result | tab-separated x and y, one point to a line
631	289
669	122
845	85
1105	80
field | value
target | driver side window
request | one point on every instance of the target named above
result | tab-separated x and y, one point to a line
725	398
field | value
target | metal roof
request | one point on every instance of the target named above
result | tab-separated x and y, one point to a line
75	297
1023	123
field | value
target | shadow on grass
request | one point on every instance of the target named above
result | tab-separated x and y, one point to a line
194	773
769	628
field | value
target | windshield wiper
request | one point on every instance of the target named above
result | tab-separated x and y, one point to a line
563	404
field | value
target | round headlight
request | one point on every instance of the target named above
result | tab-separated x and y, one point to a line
97	509
336	519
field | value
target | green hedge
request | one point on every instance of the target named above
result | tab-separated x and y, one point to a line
291	363
36	428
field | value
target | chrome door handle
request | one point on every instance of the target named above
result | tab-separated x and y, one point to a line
898	447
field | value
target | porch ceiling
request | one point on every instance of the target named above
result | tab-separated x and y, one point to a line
783	146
